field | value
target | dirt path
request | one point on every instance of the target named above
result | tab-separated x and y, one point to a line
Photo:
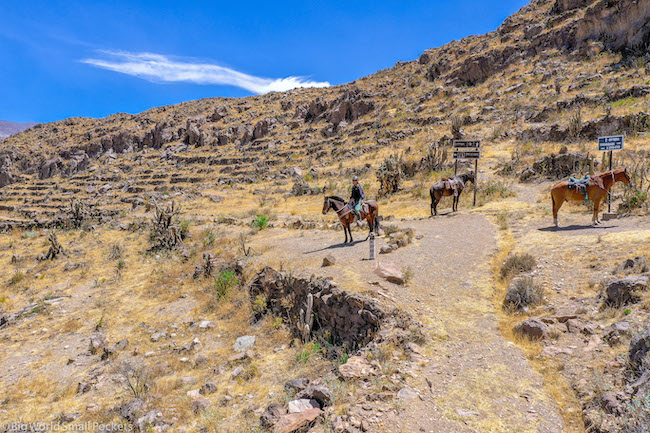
479	381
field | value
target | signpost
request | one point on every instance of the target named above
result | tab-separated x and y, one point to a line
468	149
609	144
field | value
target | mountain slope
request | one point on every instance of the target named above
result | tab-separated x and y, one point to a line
9	128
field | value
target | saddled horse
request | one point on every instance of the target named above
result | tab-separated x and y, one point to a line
369	212
596	191
449	186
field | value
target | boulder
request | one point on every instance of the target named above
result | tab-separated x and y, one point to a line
615	333
131	410
200	405
244	343
296	385
295	421
272	414
329	260
356	367
389	272
219	113
534	329
623	291
637	265
319	393
301	405
639	349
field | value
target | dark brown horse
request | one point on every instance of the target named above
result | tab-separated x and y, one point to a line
369	212
449	186
596	191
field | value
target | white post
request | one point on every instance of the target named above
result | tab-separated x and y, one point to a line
372	246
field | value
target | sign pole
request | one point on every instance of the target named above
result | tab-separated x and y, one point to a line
609	144
475	180
455	167
609	193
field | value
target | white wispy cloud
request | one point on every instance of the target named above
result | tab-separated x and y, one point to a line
160	68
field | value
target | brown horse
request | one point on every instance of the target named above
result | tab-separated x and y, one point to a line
446	187
596	191
346	215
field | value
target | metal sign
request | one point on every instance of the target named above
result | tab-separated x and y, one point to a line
614	142
467	154
467	144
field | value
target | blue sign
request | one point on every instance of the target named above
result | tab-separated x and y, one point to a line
610	143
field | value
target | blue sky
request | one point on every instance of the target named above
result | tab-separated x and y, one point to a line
69	58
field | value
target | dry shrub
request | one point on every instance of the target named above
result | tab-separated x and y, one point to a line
517	263
523	293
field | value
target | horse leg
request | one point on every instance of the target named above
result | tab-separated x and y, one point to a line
594	219
350	231
371	225
434	203
557	204
345	231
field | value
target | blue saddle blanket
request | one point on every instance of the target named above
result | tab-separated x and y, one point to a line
580	185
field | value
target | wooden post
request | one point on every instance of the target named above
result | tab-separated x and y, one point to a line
609	193
372	246
455	167
475	180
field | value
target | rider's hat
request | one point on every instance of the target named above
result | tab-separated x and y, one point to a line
355	178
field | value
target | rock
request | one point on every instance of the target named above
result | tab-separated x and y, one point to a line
194	394
639	348
208	388
131	411
296	385
610	403
97	341
329	260
200	405
579	326
109	352
407	393
389	272
464	413
623	291
320	393
205	324
615	333
295	421
534	329
149	420
637	265
244	343
356	367
219	113
272	414
237	372
301	405
157	336
385	249
188	380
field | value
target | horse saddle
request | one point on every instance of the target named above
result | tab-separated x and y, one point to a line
452	184
581	185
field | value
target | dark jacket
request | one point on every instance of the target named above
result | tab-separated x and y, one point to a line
357	193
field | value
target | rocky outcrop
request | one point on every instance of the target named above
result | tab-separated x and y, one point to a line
346	319
558	166
6	171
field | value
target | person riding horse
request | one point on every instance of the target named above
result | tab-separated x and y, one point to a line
357	197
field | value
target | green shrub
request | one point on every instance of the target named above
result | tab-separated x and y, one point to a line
209	237
309	349
224	282
261	222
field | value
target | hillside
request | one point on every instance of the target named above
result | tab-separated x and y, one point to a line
179	230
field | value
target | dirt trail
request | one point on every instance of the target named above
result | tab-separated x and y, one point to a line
479	381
